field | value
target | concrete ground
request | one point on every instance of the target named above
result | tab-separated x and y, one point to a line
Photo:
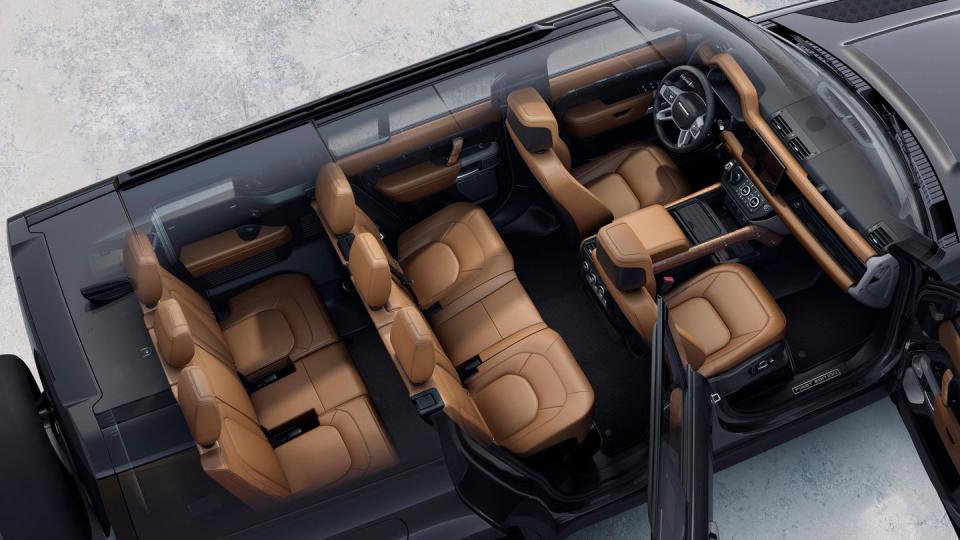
90	89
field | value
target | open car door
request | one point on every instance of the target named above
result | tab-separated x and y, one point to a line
680	498
928	391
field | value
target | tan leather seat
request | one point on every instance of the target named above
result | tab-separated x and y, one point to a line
445	256
347	442
529	397
605	188
723	315
274	322
528	392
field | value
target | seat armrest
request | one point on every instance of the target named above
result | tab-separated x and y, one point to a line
657	230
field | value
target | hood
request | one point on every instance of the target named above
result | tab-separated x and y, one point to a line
909	57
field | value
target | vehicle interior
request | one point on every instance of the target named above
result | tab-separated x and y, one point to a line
489	246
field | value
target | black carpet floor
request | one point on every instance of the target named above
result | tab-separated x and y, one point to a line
548	269
824	323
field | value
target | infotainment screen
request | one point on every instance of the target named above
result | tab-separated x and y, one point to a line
766	164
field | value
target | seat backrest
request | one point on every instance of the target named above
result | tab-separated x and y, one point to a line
536	135
625	266
233	448
219	413
339	213
425	365
152	283
376	284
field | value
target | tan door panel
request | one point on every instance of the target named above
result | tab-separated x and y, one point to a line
594	117
227	248
411	139
414	183
946	422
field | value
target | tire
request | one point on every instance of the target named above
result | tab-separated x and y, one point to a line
38	497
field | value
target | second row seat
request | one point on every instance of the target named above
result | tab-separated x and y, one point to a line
524	391
444	257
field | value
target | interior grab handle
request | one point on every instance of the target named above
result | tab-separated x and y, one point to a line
455	152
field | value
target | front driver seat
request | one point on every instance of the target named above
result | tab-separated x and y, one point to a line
605	188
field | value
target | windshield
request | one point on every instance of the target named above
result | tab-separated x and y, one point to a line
845	150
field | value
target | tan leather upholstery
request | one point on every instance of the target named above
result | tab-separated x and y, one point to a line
533	394
199	406
728	314
414	344
143	268
607	187
227	424
419	181
295	297
227	248
452	252
661	234
631	178
526	398
370	269
329	373
335	199
279	319
174	340
722	316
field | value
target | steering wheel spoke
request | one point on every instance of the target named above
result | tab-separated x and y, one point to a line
670	93
684	138
665	114
697	126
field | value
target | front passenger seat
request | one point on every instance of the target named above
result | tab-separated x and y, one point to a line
613	185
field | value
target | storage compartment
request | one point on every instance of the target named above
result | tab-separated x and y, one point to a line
477	180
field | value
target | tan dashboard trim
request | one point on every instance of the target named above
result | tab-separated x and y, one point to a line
750	104
226	248
796	226
694	195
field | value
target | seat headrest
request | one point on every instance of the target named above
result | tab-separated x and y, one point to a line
199	406
370	268
335	199
531	120
624	258
414	344
174	340
143	268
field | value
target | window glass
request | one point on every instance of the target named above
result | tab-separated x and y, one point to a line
375	125
594	44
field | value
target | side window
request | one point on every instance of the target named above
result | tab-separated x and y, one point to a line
376	124
592	45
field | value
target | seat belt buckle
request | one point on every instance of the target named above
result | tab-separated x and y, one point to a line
666	284
468	369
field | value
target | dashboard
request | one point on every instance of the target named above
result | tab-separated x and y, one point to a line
763	164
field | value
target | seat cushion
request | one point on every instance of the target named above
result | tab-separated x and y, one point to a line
633	177
533	394
728	314
349	443
293	296
320	382
451	252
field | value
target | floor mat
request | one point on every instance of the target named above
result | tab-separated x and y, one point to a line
548	269
824	323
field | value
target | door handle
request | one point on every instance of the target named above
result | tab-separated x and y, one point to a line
618	114
455	152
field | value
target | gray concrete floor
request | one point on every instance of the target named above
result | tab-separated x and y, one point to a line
89	89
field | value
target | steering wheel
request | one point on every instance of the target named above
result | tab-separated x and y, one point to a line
684	102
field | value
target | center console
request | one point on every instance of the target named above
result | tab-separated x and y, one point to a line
718	224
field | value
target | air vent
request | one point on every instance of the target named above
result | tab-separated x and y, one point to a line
879	237
781	125
799	149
